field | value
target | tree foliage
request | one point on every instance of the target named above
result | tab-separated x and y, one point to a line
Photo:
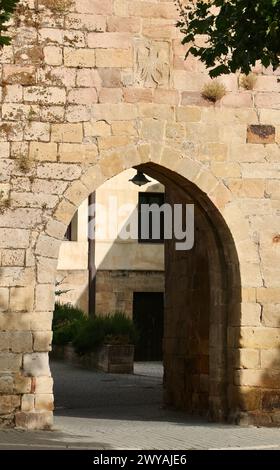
235	33
7	7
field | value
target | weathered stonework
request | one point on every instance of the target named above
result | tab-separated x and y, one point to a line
103	87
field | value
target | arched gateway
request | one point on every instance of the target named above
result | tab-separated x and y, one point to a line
100	87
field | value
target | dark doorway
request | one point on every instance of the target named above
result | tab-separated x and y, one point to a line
148	311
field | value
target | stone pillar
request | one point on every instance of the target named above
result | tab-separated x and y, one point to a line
26	398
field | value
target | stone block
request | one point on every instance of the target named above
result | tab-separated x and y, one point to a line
21	299
226	169
49	187
31	421
65	212
115	112
163	96
245	398
271	400
95	7
245	187
79	57
67	133
97	129
51	35
113	141
4	341
144	9
12	258
44	402
43	151
41	321
21	74
52	113
123	24
78	113
246	358
260	134
42	341
59	76
86	22
119	58
36	364
84	96
45	95
83	153
6	384
152	129
121	8
27	402
268	295
124	128
43	385
37	131
156	111
259	337
20	341
77	192
4	299
109	40
257	378
188	114
47	246
59	171
270	315
22	384
12	93
53	55
110	95
45	297
14	238
10	362
55	229
46	269
270	359
4	149
9	403
137	95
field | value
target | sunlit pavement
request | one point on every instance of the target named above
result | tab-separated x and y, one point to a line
108	411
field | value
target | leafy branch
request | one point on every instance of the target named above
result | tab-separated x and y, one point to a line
7	8
234	34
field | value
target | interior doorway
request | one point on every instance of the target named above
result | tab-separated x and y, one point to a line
148	316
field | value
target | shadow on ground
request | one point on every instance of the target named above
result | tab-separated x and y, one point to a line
45	440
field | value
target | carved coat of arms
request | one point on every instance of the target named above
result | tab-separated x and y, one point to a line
152	64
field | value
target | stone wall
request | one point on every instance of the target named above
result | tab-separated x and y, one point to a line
74	283
103	87
114	289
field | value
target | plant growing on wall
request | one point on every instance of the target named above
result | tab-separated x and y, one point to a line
235	33
213	91
248	81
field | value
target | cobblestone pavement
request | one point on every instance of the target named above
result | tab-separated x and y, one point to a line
108	411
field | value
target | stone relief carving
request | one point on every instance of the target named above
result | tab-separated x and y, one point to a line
152	67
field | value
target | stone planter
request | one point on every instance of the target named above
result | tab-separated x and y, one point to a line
114	358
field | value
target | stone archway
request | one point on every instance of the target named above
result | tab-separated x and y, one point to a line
199	381
202	287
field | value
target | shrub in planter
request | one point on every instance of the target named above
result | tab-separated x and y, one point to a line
67	322
112	329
